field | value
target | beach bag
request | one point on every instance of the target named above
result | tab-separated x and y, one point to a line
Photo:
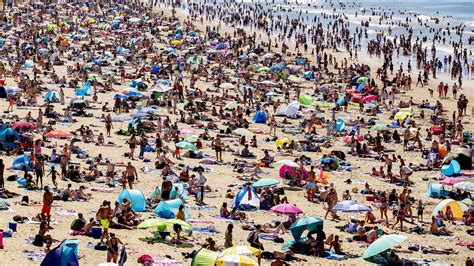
100	246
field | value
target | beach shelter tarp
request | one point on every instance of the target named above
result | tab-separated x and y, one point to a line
453	168
204	257
64	254
84	90
52	96
457	207
260	117
247	198
383	243
8	137
136	198
21	161
168	209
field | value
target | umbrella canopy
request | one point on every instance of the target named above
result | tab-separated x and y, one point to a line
122	118
227	86
240	250
159	87
152	223
23	125
380	127
350	206
58	134
383	243
296	79
401	115
305	100
268	83
204	257
186	146
243	132
287	162
184	225
285	208
361	79
235	260
466	186
266	182
305	223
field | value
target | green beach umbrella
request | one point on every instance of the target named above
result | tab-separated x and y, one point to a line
152	223
305	100
361	79
380	127
92	76
305	223
186	146
184	225
263	69
204	257
383	243
266	182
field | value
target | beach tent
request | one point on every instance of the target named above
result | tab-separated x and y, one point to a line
260	117
454	168
457	207
288	169
204	257
64	254
85	90
169	208
8	137
21	161
462	155
136	198
247	198
52	96
303	224
436	191
178	189
281	110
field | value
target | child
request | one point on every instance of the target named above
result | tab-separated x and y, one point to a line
53	173
420	209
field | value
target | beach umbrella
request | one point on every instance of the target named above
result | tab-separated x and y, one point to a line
135	20
305	223
240	250
139	115
401	115
350	206
243	132
383	243
23	125
176	42
305	100
235	260
263	69
286	208
147	110
13	90
466	186
361	79
159	87
369	98
450	181
227	86
152	223
268	56
271	94
58	134
186	146
230	105
204	257
184	225
380	127
287	162
122	118
192	138
266	182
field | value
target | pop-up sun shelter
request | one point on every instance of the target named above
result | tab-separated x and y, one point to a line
462	155
247	198
457	207
436	191
64	254
204	257
169	208
136	197
8	137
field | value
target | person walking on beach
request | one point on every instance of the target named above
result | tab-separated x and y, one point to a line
103	215
113	248
201	183
131	173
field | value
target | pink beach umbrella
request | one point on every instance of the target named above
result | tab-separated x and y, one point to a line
285	208
450	181
369	98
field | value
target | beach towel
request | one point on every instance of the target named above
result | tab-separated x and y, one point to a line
165	262
103	190
193	221
465	244
218	217
209	229
34	255
200	208
62	212
76	233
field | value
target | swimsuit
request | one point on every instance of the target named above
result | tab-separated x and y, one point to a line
105	223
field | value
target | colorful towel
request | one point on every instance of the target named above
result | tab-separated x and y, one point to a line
61	212
218	217
165	262
200	208
210	230
193	221
102	189
34	256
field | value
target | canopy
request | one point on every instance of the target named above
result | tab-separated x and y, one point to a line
204	257
135	197
247	198
380	127
186	146
64	254
266	182
240	250
383	243
23	125
58	134
401	115
235	260
457	207
286	208
305	100
227	86
305	223
152	223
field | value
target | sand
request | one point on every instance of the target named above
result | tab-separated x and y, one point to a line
219	179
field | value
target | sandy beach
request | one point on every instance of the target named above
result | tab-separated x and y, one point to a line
221	177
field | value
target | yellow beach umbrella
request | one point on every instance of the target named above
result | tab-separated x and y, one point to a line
240	250
176	42
235	260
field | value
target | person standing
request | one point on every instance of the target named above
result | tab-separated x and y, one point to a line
103	215
113	248
201	184
131	173
228	236
108	124
47	202
39	170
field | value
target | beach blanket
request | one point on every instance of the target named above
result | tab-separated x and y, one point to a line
218	217
104	190
62	212
465	244
200	208
76	233
193	221
165	262
34	255
209	229
268	236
